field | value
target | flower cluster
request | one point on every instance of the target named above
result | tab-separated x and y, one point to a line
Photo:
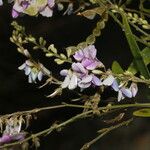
33	72
80	73
12	132
33	7
122	90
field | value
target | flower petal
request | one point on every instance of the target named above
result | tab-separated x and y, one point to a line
120	96
78	55
84	85
64	72
66	82
86	79
109	80
126	92
40	75
78	67
73	82
96	81
47	12
134	89
115	85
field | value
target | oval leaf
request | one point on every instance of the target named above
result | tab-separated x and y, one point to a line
142	112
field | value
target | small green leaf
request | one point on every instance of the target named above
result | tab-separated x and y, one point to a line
49	54
142	112
116	68
63	56
146	57
59	61
90	39
52	48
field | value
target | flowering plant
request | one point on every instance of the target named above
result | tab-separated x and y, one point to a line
82	70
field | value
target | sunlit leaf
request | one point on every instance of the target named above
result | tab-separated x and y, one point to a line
142	112
116	68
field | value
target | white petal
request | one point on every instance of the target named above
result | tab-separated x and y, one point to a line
30	78
66	82
47	12
120	96
22	66
27	70
73	82
34	75
109	80
40	75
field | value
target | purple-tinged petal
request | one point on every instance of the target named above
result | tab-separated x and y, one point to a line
92	51
84	85
134	89
77	67
92	66
27	70
51	3
6	138
86	62
96	81
18	137
109	80
87	79
115	85
73	82
126	92
64	72
78	55
14	13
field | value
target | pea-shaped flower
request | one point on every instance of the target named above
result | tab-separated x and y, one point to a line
33	72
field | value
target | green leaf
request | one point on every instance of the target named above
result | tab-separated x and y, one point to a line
146	56
116	68
59	61
142	112
139	62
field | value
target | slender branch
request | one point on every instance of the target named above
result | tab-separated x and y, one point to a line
77	117
106	131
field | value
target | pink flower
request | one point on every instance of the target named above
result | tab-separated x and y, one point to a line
87	57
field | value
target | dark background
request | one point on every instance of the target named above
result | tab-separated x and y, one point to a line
16	94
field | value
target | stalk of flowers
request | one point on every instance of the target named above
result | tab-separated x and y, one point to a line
32	7
81	74
34	71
